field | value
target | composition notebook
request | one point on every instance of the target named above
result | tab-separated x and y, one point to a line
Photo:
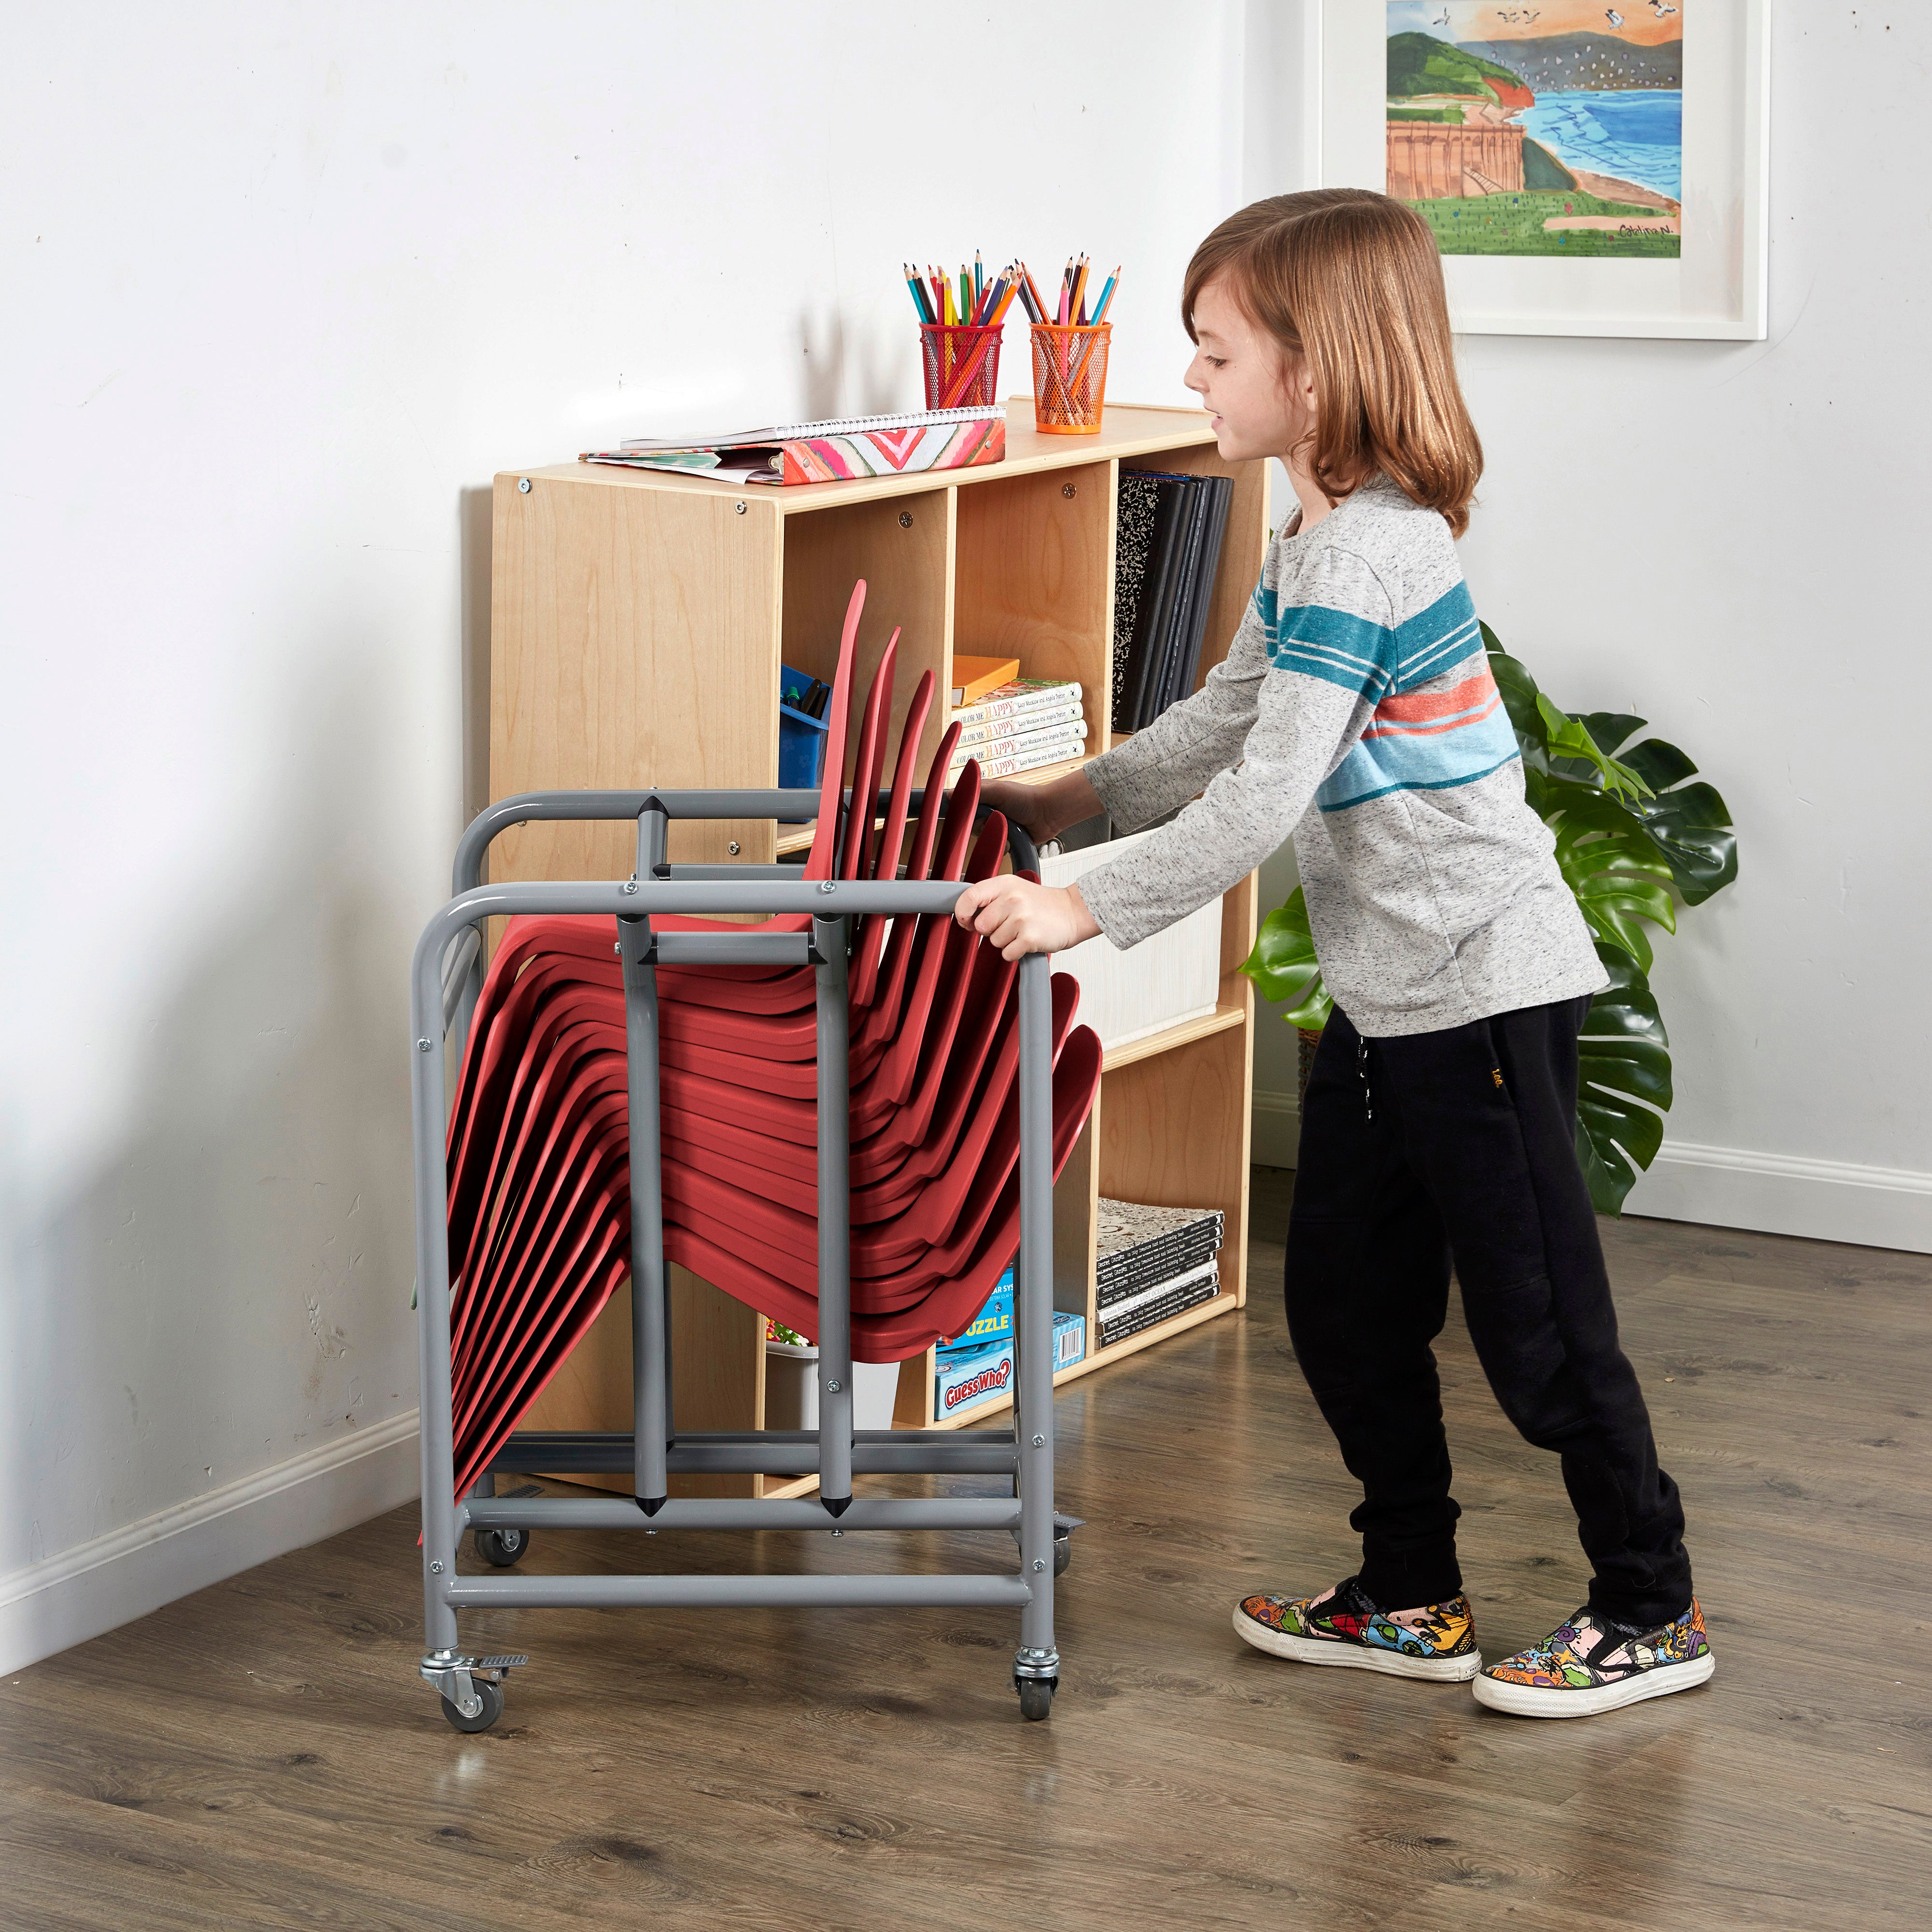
1168	549
826	452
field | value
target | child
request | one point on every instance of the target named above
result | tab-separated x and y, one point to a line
1441	1113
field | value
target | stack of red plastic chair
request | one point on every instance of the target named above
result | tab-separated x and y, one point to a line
538	1148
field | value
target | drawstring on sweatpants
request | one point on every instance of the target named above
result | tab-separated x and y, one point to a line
1362	1074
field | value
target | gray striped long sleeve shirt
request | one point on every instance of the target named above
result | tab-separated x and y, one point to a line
1355	712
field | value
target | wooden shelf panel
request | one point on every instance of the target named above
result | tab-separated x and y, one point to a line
1173	1132
904	553
1125	430
1035	575
1183	1034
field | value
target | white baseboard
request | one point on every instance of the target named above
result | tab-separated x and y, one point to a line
1277	1129
1783	1194
83	1591
1724	1187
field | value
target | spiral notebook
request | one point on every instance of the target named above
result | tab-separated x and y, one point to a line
826	452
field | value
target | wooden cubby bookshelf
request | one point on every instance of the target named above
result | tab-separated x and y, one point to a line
638	622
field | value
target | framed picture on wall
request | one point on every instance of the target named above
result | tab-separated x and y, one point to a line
1588	169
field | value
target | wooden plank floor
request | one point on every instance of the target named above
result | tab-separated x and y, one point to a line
261	1754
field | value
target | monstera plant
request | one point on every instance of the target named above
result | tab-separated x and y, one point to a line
1634	839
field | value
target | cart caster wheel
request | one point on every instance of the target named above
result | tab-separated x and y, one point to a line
492	1696
502	1547
1035	1697
1063	1554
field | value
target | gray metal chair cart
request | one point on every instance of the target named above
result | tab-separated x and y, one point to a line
446	977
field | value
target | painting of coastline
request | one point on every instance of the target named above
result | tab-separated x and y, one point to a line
1554	130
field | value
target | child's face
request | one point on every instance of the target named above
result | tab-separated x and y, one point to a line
1260	408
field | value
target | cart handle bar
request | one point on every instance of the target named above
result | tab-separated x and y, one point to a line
582	806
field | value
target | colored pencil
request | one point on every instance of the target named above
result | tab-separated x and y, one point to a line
1106	296
978	277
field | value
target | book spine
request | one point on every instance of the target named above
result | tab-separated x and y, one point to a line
1052	717
1014	700
1029	741
1164	1310
1012	765
1026	743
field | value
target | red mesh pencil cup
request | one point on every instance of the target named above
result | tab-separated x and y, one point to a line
1070	377
962	365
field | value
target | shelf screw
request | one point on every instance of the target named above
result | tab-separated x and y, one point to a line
523	484
1040	1442
617	947
630	885
1038	1564
435	1568
828	885
833	1386
422	1046
837	1532
905	519
740	508
732	848
1069	489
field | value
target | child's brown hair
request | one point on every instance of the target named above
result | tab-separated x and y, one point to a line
1349	284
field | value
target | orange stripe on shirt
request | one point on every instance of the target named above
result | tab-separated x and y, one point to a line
1375	730
1419	708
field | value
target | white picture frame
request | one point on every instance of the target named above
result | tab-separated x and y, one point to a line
1715	291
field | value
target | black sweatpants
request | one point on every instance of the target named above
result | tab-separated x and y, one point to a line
1420	1149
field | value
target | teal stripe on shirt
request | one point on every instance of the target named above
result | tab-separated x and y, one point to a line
1434	639
1354	653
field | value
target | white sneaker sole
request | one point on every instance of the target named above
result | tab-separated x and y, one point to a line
1530	1700
1354	1657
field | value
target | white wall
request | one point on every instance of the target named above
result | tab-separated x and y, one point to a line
284	286
1725	539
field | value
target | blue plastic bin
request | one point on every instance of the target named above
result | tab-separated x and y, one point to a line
801	737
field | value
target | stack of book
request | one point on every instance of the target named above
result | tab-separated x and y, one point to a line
1167	549
1153	1262
1021	725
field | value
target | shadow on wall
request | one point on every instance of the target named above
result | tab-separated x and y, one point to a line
230	1286
858	368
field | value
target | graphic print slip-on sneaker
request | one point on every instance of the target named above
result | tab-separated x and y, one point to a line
1586	1666
1437	1642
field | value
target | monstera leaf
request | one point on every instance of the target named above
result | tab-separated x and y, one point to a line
1633	837
1623	1084
1690	824
1612	865
1283	968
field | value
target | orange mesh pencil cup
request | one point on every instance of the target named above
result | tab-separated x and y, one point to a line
1070	377
962	365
